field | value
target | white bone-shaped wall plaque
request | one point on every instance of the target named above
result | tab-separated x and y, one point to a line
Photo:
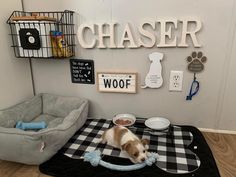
154	76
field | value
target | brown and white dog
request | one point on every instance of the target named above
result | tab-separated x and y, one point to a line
122	138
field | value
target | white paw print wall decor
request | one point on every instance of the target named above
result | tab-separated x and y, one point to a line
154	76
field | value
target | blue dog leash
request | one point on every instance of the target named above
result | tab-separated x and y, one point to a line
194	88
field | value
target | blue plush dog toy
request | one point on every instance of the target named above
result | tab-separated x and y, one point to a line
95	159
31	126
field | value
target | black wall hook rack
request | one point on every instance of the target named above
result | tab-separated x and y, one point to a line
46	35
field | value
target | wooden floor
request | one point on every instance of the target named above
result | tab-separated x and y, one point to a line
223	147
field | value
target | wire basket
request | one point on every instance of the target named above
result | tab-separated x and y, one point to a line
42	34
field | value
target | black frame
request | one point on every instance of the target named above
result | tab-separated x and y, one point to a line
92	71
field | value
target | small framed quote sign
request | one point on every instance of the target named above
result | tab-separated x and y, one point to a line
117	82
82	71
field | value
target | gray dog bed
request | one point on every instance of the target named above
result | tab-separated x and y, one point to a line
63	115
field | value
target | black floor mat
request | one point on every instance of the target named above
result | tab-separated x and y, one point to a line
63	166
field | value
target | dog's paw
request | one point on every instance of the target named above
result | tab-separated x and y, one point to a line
132	160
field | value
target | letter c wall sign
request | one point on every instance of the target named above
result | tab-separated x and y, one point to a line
117	82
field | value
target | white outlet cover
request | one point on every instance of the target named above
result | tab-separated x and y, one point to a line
176	81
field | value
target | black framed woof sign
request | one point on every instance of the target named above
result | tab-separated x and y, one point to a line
82	71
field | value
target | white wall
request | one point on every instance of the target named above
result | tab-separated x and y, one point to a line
15	80
207	109
227	112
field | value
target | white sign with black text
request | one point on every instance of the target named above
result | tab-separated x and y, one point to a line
117	82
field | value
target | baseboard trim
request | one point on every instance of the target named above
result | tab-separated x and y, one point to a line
217	131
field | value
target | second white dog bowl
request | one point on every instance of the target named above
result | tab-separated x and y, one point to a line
157	123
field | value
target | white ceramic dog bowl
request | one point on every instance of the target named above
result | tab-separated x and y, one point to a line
157	123
124	117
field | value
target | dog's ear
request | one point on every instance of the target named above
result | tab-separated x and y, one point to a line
126	146
145	142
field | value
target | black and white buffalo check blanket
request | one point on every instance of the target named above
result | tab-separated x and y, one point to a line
172	147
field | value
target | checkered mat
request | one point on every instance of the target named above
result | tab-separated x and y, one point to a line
172	147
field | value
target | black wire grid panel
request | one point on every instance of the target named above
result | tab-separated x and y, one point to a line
43	38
